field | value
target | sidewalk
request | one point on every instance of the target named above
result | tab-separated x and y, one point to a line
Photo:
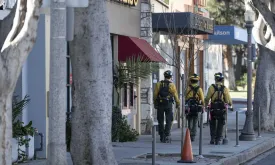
239	100
134	153
128	153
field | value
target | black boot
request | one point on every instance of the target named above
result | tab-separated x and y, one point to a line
192	138
218	142
162	139
167	139
212	141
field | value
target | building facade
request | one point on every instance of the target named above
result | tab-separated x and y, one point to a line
125	32
190	22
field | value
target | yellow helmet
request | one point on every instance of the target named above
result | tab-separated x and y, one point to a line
194	77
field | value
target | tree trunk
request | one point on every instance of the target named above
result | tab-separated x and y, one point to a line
92	87
14	52
229	68
265	90
5	129
238	71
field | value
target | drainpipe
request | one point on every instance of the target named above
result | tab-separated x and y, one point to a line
41	145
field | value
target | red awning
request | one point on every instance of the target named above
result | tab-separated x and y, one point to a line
130	46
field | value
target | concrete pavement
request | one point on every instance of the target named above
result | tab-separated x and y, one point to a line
132	153
239	100
128	153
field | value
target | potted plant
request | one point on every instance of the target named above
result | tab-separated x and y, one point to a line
22	134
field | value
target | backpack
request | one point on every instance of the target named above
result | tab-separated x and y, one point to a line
164	96
193	103
218	103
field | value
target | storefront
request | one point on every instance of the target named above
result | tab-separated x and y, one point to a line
223	35
124	26
189	25
189	48
125	29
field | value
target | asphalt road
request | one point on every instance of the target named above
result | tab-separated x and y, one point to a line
267	158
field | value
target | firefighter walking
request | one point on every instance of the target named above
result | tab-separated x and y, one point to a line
219	96
164	96
194	102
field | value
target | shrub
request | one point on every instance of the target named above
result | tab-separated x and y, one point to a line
243	81
19	131
116	118
121	130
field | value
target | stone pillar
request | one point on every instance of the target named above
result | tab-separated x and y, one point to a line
146	33
57	94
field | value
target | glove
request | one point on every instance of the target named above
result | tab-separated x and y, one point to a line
202	109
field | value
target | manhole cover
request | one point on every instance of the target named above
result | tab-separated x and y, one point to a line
221	152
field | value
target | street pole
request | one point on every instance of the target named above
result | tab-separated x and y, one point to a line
200	142
178	63
183	109
154	144
237	129
57	95
248	130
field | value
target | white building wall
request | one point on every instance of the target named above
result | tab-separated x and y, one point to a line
212	64
32	82
123	19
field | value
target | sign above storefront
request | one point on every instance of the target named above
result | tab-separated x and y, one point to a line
228	35
203	23
127	2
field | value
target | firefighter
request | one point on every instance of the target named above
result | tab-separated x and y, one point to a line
194	102
219	96
164	96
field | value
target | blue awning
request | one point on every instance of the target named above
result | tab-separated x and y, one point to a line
182	23
228	35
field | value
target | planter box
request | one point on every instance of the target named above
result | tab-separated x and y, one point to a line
29	151
14	150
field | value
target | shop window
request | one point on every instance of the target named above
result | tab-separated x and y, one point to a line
131	94
125	95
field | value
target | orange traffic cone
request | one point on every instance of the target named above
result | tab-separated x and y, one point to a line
186	153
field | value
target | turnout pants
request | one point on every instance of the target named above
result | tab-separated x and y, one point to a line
192	124
216	127
168	111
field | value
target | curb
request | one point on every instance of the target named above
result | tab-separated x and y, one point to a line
248	154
